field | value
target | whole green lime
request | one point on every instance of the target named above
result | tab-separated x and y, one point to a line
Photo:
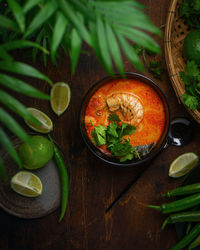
191	46
37	153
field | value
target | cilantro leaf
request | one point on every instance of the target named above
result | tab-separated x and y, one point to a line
127	129
112	129
156	69
114	118
99	135
127	157
138	48
190	101
190	11
122	149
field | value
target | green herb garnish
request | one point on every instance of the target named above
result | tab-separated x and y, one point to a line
191	79
190	11
112	137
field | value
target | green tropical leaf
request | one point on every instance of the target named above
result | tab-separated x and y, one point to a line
4	55
140	38
130	53
44	46
41	17
83	7
103	45
38	41
76	43
70	14
17	13
19	44
7	145
3	170
29	5
58	32
23	69
13	126
17	107
7	23
21	87
114	48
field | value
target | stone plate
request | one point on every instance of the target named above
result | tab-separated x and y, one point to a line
28	207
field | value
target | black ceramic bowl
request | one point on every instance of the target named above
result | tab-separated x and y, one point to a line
160	144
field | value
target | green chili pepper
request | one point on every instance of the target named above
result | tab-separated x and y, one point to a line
182	217
179	205
195	243
188	238
64	180
185	190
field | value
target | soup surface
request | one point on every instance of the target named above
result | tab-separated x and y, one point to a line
135	103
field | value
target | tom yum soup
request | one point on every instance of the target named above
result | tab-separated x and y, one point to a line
125	118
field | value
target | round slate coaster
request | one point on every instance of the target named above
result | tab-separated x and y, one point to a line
26	207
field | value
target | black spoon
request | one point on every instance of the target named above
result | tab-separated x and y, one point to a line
181	132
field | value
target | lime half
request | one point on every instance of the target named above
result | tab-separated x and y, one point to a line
26	184
183	164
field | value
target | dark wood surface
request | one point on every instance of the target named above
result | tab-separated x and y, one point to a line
129	224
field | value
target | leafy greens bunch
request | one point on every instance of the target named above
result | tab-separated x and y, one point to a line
54	26
190	10
112	137
191	79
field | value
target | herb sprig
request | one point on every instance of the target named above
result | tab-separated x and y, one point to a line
191	79
112	136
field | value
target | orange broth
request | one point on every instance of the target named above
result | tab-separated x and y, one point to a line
152	125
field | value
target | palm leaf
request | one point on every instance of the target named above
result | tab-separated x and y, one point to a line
13	126
44	44
7	23
58	32
83	7
6	143
3	170
70	14
17	107
114	48
130	53
76	43
38	41
29	5
19	44
4	55
41	17
103	45
17	13
23	69
140	38
21	87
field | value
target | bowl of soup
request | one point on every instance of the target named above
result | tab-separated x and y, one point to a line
125	121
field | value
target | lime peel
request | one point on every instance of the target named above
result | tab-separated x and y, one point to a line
183	164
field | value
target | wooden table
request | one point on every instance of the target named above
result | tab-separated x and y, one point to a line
129	224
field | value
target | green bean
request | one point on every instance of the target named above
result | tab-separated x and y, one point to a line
182	217
179	205
188	238
64	180
185	190
195	243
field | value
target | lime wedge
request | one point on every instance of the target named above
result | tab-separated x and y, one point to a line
183	164
46	123
26	184
60	97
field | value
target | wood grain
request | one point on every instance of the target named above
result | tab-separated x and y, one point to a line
130	224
